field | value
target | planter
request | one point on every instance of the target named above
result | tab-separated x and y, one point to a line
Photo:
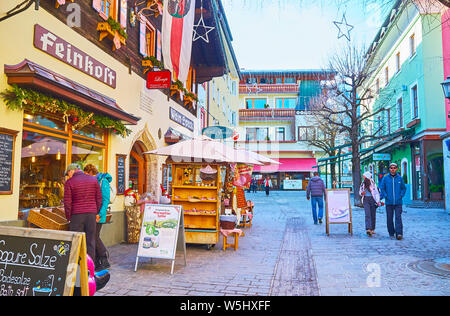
106	31
436	196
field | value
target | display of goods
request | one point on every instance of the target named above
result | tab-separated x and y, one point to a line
45	219
228	221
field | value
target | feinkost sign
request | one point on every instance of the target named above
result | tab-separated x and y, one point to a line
71	55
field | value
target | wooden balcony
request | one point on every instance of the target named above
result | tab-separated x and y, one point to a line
268	88
266	114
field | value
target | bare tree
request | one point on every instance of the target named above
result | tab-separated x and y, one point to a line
350	106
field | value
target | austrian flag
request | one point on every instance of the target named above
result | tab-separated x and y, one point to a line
177	30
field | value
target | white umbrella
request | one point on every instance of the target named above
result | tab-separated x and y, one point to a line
205	149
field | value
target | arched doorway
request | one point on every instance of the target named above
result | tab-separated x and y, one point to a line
138	168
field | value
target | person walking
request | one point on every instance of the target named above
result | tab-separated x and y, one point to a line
104	179
393	190
254	184
371	200
316	191
82	201
267	185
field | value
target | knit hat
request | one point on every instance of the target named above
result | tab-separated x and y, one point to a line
72	166
368	175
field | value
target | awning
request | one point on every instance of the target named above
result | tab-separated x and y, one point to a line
31	75
289	165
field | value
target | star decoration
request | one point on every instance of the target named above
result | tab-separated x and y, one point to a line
345	25
253	89
206	29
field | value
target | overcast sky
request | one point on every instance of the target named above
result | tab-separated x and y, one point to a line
296	34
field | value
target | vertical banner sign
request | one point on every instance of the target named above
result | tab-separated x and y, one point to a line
123	13
177	31
338	208
162	226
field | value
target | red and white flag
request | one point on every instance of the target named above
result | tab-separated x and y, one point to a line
177	31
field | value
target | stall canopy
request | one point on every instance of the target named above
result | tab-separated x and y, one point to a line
205	149
289	165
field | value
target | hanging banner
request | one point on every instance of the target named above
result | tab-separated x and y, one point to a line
177	30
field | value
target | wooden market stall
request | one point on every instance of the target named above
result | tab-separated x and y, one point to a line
200	194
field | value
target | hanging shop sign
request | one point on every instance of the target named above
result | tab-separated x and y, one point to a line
381	157
181	119
159	79
55	46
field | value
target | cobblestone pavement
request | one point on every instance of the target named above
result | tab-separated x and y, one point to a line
283	253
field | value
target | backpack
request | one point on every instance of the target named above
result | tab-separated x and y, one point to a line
112	190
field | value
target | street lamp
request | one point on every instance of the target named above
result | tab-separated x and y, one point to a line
446	88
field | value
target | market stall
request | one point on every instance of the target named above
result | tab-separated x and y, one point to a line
203	180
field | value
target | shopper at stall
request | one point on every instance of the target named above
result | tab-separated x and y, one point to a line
82	200
315	191
371	200
104	179
393	189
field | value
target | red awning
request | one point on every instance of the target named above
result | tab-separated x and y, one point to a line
289	165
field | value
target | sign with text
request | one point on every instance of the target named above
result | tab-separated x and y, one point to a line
120	173
35	262
67	53
181	119
162	225
7	142
159	79
292	184
381	157
338	208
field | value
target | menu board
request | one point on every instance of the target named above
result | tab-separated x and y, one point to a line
338	208
7	142
36	262
120	174
162	232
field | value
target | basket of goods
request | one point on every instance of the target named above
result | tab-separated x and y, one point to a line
46	219
208	173
228	221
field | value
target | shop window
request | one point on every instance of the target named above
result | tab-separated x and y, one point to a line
48	147
42	170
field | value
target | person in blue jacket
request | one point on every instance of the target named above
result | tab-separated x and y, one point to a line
101	261
393	190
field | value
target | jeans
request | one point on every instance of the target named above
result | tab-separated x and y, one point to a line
396	210
317	200
371	211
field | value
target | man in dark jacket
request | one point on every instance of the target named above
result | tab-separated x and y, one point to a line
316	190
82	202
393	190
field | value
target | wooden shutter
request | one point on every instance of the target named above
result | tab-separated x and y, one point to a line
123	13
142	39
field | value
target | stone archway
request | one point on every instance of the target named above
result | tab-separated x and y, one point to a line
148	143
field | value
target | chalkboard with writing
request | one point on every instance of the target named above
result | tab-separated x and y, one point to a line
37	262
120	168
7	141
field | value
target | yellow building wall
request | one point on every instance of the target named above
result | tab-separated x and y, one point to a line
17	35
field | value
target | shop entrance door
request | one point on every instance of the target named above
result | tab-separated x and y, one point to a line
138	169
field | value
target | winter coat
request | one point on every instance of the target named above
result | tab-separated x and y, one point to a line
104	179
373	190
392	189
81	195
316	187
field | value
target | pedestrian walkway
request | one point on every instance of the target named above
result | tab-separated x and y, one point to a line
284	253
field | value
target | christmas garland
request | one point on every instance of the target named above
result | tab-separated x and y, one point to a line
25	99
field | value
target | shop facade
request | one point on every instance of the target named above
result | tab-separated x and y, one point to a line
69	97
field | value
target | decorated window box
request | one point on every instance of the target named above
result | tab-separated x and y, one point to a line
118	36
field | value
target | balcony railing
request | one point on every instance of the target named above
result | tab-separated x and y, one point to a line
266	113
268	88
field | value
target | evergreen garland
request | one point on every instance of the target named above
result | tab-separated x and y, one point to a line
18	99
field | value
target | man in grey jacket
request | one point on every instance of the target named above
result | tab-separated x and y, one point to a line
316	190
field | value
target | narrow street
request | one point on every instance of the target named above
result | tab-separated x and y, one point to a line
285	254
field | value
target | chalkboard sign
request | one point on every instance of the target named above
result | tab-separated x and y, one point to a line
7	142
36	262
120	173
